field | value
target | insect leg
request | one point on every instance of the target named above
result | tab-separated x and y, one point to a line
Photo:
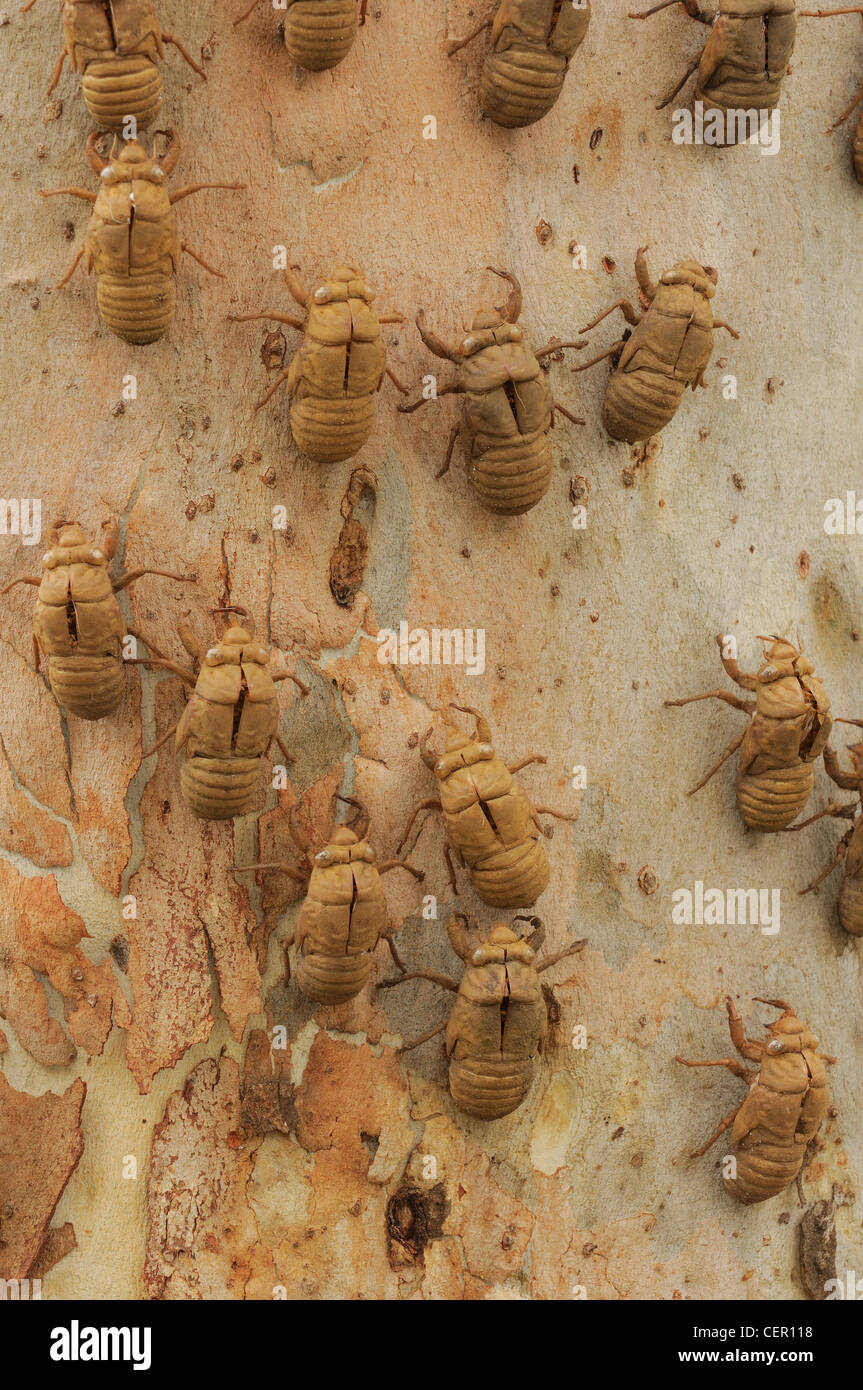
394	379
450	868
625	308
720	323
559	815
148	752
283	376
57	71
455	45
28	6
286	753
289	676
732	748
387	936
431	803
446	390
184	246
417	1042
666	100
726	1124
161	661
388	864
295	286
730	1062
450	446
37	654
171	38
151	646
748	706
25	579
570	950
196	188
282	868
848	781
363	7
642	275
838	855
601	358
240	17
435	344
72	192
512	309
751	1050
268	314
832	809
71	271
555	345
525	762
394	317
131	575
434	975
576	419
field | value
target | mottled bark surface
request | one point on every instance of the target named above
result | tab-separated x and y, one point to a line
218	1162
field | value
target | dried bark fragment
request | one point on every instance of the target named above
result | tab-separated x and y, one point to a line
818	1248
39	935
40	1144
348	560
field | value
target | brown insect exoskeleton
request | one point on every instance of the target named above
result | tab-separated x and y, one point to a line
334	376
490	822
231	718
849	850
78	624
508	408
669	349
500	1018
788	1098
132	239
532	42
344	913
116	45
788	730
857	138
318	33
742	64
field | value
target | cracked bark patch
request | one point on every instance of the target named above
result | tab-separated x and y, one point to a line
40	1144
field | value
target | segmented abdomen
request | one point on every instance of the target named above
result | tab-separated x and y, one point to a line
764	1171
319	33
330	429
219	788
512	877
772	799
857	151
490	1087
88	686
639	404
138	307
514	474
521	85
851	905
333	979
114	88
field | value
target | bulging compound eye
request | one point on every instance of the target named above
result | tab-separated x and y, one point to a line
478	957
468	345
515	335
322	295
486	750
212	654
96	556
776	1045
46	559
